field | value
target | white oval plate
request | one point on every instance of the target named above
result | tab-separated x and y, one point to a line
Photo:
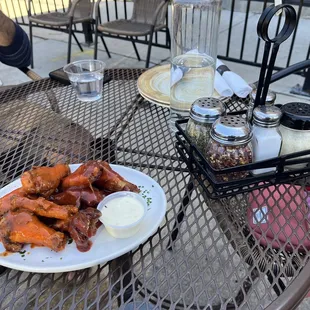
105	247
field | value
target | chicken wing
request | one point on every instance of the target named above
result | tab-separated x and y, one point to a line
83	226
112	181
43	207
5	201
61	225
43	180
84	176
20	227
85	197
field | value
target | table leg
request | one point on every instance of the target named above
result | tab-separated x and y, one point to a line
181	213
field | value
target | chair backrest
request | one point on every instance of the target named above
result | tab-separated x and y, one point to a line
83	9
143	11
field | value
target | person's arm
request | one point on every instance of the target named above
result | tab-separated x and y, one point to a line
7	30
14	44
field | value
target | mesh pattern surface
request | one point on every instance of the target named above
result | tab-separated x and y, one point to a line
206	253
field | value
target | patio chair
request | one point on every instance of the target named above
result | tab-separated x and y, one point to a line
147	18
79	11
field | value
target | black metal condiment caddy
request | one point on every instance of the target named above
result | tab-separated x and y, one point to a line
208	177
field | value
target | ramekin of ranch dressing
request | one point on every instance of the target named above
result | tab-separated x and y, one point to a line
122	213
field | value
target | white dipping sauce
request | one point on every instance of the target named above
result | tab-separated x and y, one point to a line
122	211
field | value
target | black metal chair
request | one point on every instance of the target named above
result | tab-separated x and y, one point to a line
79	11
148	17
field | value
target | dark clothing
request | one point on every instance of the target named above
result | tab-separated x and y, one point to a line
18	54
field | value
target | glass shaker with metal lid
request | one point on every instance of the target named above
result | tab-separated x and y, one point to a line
295	129
230	146
270	100
204	112
267	138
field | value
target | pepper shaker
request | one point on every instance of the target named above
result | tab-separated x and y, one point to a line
230	146
204	112
267	139
270	100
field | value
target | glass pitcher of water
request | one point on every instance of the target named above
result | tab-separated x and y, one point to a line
194	37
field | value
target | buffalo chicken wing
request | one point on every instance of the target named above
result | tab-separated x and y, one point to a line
43	207
43	180
5	201
20	227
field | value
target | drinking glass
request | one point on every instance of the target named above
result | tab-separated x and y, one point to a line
195	29
86	77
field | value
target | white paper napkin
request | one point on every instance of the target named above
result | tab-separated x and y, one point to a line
226	85
176	76
221	86
239	86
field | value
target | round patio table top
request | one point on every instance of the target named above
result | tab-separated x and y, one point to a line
205	254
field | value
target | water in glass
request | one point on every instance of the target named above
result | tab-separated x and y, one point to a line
88	86
192	77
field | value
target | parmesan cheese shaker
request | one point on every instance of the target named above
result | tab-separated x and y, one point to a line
295	130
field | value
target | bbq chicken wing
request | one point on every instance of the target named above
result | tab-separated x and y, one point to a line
43	180
43	207
84	176
20	227
83	226
84	197
61	225
112	181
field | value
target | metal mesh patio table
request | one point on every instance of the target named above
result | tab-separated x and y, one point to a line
203	256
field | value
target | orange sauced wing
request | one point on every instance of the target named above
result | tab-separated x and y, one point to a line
20	227
43	180
5	201
43	207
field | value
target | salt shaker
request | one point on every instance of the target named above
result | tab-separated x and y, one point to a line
229	146
267	139
204	112
270	100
